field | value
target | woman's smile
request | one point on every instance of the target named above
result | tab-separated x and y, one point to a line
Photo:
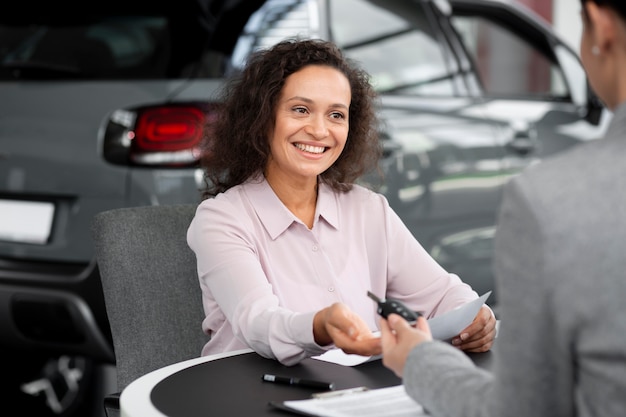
310	148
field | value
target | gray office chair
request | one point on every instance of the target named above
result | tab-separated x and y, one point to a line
151	290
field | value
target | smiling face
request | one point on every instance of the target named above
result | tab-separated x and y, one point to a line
311	125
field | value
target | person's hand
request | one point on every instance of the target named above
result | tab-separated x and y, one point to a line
399	338
339	325
478	336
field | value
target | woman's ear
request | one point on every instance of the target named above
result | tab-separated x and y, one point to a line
601	25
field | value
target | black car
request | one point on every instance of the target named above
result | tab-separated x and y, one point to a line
105	109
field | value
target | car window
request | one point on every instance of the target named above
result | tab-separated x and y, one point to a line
395	41
398	45
507	64
273	21
107	47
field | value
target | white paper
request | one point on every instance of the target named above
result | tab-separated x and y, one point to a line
443	327
450	324
382	402
347	359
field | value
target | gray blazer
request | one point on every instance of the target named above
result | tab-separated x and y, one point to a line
560	267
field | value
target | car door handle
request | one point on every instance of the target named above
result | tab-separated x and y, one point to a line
524	139
522	145
390	147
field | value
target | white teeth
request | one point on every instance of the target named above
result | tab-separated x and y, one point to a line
310	148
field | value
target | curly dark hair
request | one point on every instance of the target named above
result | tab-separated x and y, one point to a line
237	147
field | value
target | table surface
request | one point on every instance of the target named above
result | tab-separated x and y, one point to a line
231	384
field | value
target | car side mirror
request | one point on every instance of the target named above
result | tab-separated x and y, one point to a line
594	107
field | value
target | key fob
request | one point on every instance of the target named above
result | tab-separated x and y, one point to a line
388	306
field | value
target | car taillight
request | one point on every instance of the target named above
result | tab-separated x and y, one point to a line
168	129
157	136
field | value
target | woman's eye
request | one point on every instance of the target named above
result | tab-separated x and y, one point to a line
300	110
337	115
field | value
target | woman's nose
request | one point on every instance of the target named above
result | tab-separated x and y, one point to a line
317	127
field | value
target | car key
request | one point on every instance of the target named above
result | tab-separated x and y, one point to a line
388	306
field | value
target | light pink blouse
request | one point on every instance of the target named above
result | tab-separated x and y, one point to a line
264	274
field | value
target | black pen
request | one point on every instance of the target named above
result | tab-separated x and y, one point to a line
298	382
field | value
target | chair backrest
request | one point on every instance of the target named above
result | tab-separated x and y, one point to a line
151	289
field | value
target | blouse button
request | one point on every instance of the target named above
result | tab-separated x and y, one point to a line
314	248
331	289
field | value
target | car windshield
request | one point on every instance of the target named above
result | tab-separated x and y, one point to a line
100	48
395	41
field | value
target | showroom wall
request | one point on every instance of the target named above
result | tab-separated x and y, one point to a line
563	14
566	20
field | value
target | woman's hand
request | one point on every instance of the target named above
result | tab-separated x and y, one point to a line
399	338
340	326
478	336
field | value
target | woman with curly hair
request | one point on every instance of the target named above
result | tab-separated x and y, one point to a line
287	243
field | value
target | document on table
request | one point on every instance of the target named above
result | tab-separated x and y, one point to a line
381	402
443	327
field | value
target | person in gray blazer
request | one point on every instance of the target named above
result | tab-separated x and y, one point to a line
560	266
